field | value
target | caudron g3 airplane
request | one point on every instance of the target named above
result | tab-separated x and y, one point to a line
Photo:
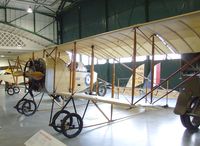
43	75
174	35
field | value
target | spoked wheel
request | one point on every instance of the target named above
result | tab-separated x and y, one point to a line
102	90
16	90
19	105
10	91
58	118
72	125
189	121
29	107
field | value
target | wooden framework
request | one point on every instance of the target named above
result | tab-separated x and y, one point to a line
92	70
179	33
152	67
134	65
73	68
176	32
16	68
161	37
144	39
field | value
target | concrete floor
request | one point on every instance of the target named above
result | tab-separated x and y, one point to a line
144	126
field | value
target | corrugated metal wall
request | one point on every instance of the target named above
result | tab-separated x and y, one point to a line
91	17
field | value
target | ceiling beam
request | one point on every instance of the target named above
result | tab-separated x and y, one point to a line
28	31
46	14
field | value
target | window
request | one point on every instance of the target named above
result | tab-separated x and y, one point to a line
141	58
85	59
112	60
90	59
77	58
70	55
173	56
101	61
158	57
127	59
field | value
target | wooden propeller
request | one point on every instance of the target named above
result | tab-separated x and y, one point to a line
36	75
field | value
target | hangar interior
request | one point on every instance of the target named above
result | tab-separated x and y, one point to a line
146	55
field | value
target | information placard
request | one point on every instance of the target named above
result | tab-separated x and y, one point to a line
42	138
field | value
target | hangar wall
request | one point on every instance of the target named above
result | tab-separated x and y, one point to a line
90	17
36	23
105	71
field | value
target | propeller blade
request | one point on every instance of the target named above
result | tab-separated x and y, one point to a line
35	75
18	73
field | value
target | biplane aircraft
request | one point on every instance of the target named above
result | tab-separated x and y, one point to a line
143	84
11	81
168	36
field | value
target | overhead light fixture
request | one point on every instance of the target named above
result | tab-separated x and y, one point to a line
29	10
2	56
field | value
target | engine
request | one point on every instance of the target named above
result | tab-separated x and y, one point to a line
34	66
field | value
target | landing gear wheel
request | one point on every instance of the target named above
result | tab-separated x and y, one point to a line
16	90
72	125
19	105
58	118
188	121
101	90
10	91
29	107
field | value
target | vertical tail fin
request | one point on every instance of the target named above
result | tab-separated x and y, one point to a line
139	77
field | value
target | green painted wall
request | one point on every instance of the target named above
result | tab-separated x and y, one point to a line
167	68
90	17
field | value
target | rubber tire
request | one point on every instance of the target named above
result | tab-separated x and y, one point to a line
10	91
53	124
187	123
28	104
186	119
69	117
102	88
16	90
19	105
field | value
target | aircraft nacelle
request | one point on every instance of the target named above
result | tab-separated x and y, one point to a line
56	78
62	76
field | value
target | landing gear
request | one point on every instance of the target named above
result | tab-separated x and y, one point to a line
72	125
16	90
57	120
101	90
29	107
26	106
18	106
190	119
11	90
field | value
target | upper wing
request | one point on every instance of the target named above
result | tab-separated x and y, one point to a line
180	34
